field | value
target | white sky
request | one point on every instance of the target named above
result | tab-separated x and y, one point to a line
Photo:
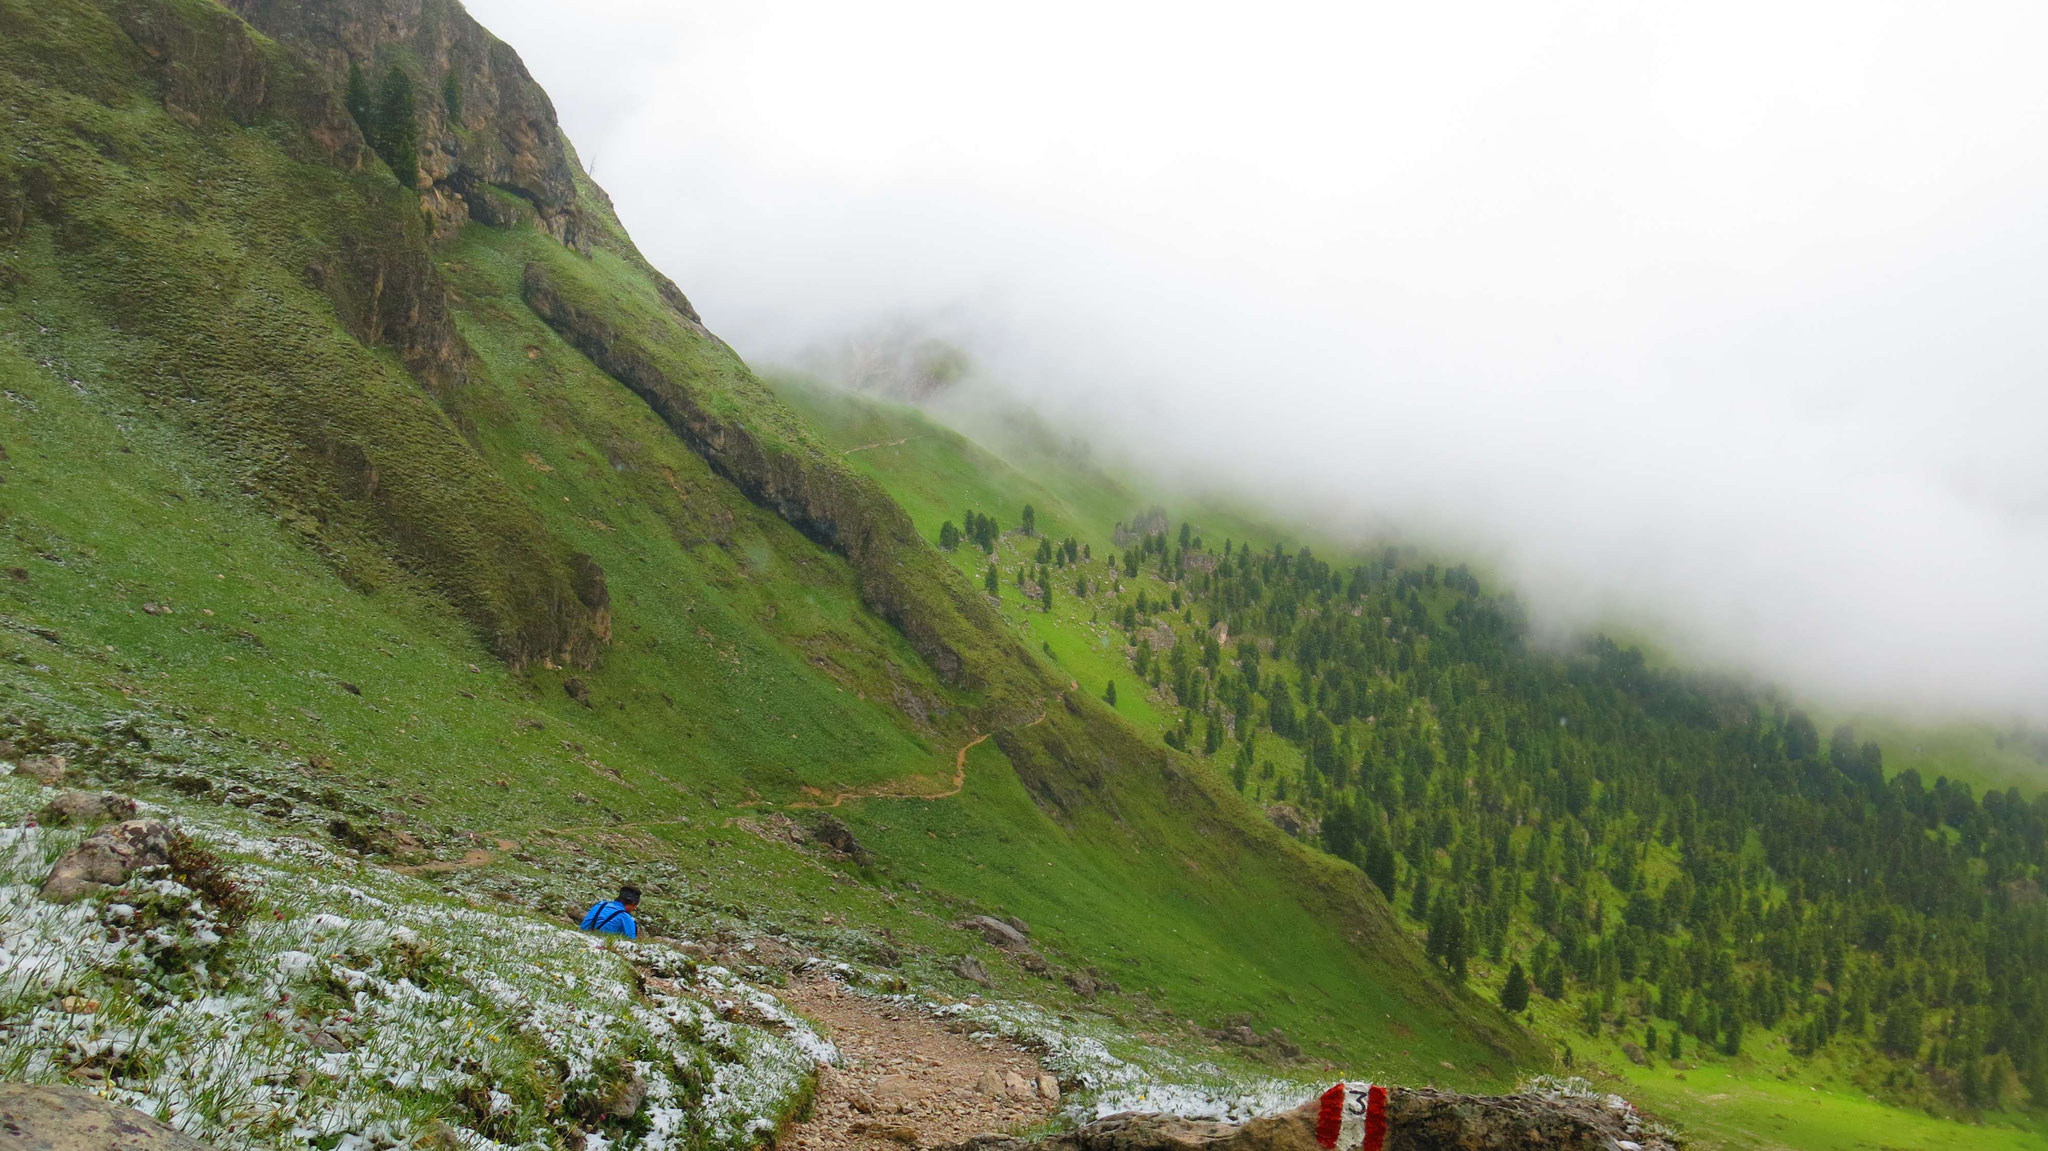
1729	321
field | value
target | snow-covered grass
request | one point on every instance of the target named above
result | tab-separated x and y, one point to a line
358	1009
1112	1071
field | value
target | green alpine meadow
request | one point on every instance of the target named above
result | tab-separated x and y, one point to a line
383	533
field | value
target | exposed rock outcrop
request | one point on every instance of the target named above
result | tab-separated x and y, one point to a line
1417	1120
490	147
902	579
84	809
106	858
36	1117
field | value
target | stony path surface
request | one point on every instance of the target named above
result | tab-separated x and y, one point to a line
909	1082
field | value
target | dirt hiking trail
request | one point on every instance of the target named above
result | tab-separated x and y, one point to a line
908	1080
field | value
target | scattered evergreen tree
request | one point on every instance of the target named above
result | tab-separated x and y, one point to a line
949	536
1109	694
360	106
1379	865
1514	994
451	96
397	132
1900	1033
993	582
1802	739
1029	520
1418	906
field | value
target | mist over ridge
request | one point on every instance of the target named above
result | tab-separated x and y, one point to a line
1717	325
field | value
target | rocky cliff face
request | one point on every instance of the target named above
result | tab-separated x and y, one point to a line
201	254
496	138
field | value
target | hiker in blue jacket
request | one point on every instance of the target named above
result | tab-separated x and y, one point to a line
615	915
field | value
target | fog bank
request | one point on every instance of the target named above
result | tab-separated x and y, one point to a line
1720	322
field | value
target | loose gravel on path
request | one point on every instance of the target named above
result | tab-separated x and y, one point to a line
908	1080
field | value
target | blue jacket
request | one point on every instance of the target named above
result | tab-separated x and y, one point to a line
612	916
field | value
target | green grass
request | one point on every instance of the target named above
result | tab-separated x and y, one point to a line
344	534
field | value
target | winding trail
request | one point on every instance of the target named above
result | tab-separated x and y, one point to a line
880	791
881	444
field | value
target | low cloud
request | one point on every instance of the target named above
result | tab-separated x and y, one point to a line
1720	323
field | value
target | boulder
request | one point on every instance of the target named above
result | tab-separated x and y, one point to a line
831	831
1417	1120
44	769
34	1117
84	809
996	931
106	858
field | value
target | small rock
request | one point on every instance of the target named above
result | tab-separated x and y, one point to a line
106	858
1635	1055
970	969
990	1084
577	690
1048	1086
896	1132
44	769
155	609
1021	927
862	1102
327	1041
84	809
350	688
1083	985
1015	1086
624	1101
78	1005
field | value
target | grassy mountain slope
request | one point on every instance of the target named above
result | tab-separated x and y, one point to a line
1773	1093
445	528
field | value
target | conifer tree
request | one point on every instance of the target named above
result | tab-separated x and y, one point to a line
360	107
949	536
1514	994
1109	694
1418	907
1379	864
397	135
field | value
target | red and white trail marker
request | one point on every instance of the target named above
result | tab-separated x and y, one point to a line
1353	1117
